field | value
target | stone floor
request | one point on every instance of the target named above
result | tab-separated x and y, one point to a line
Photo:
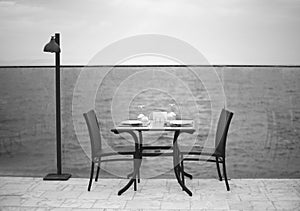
26	193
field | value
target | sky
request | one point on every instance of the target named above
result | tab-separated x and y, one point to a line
231	32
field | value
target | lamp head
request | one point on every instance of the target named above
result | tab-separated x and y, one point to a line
52	46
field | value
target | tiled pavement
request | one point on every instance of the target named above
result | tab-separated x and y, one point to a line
25	193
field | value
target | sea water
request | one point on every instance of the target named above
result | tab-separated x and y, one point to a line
263	140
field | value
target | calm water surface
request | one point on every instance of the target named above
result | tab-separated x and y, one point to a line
263	140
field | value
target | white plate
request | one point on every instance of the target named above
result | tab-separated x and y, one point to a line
131	122
181	122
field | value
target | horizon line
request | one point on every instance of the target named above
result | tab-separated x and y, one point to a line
81	66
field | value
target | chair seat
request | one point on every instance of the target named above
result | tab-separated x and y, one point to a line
198	150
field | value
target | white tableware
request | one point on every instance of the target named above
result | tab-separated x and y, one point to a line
181	123
131	123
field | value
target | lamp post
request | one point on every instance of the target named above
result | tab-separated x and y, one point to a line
53	47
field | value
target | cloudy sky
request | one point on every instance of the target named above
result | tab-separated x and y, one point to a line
225	32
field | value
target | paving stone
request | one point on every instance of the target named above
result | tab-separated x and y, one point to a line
275	196
209	205
253	196
61	194
111	209
148	196
90	209
109	204
175	189
19	179
262	205
15	192
297	188
16	186
143	204
10	201
74	187
18	208
101	183
76	181
59	209
220	197
105	194
78	203
48	186
41	202
22	193
156	182
287	205
175	205
150	190
179	196
32	194
241	205
128	195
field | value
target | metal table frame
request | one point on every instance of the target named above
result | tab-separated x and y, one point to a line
138	156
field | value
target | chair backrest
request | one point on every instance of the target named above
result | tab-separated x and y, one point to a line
222	130
94	132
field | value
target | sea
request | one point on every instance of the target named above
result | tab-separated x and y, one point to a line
263	139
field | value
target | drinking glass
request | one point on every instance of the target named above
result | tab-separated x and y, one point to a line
171	114
141	111
142	117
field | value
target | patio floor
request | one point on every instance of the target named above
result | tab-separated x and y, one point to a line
27	193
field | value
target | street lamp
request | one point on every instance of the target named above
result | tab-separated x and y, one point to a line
53	47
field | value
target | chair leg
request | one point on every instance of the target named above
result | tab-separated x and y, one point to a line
135	178
135	184
139	176
218	168
225	175
182	170
91	176
98	170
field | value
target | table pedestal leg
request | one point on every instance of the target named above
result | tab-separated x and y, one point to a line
136	165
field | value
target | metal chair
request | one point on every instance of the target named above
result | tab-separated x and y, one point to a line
97	152
218	152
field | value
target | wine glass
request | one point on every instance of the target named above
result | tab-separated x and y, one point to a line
142	117
171	114
141	111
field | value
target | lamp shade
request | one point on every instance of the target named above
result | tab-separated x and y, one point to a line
52	46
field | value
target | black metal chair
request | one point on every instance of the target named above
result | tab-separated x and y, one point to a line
218	152
97	152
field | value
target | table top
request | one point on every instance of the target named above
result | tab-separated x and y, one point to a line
152	126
